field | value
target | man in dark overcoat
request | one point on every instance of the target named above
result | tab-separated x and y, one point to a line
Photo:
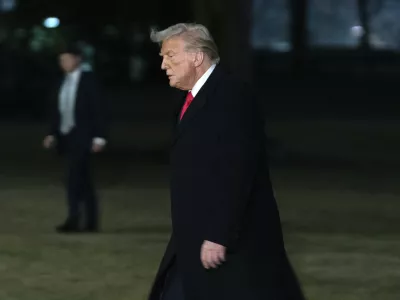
226	241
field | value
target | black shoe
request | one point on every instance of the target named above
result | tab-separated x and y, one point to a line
91	229
68	228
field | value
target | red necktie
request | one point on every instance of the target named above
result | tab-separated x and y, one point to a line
189	99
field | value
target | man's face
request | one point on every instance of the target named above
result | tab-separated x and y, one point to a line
69	62
178	64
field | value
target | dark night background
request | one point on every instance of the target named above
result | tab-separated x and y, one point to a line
327	72
313	54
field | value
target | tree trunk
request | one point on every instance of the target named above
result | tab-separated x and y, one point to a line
299	35
364	21
230	24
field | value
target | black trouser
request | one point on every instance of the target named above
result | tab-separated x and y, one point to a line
173	288
79	186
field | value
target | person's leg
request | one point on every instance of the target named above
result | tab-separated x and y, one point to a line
73	186
90	198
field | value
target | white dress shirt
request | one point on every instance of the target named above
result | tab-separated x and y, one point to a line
199	84
67	100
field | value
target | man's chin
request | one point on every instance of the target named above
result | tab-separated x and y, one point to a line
172	84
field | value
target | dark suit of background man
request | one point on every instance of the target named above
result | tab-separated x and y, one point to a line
78	128
226	240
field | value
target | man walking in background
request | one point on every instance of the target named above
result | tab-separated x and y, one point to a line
226	241
77	129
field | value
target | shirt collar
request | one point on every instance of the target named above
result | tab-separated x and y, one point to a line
199	84
74	74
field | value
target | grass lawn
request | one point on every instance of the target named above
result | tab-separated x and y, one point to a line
341	225
343	240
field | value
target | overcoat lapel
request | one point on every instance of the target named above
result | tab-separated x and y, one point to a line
196	106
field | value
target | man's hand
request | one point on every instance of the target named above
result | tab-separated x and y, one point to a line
98	144
212	254
48	141
96	148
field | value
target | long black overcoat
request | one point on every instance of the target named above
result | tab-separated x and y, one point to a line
221	192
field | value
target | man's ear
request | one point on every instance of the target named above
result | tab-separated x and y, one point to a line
198	58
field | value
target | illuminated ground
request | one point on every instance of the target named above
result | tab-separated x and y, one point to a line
340	216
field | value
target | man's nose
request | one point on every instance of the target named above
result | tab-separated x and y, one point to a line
163	65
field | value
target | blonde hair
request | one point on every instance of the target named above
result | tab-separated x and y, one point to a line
196	36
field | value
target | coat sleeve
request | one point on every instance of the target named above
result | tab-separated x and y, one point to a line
52	112
99	108
238	150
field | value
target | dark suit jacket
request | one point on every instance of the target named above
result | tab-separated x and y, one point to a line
90	110
221	192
